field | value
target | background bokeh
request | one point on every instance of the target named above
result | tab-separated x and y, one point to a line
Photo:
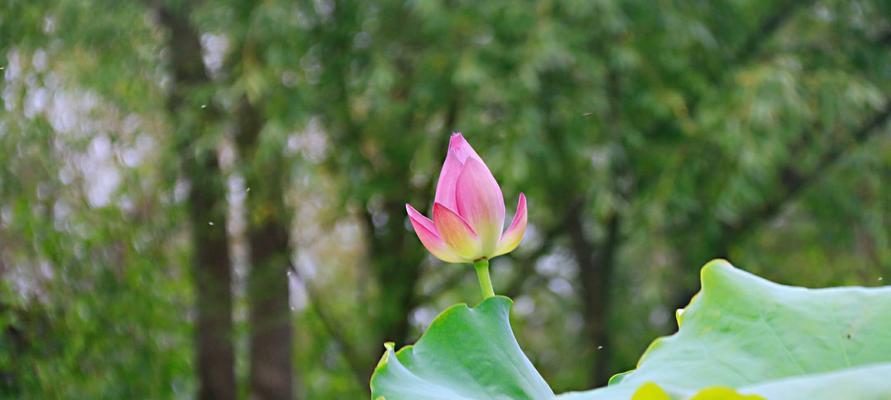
206	199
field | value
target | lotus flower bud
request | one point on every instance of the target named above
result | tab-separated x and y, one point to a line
468	211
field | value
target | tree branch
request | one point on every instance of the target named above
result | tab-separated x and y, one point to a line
750	48
753	44
796	181
334	330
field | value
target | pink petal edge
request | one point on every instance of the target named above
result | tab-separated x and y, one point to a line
462	150
426	231
514	233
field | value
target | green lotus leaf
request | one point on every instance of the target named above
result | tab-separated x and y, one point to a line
466	354
742	337
779	342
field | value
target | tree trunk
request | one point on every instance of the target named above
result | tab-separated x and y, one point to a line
596	265
271	337
212	269
271	341
213	279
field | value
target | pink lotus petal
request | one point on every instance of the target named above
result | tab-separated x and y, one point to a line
426	231
459	152
462	150
480	203
422	219
514	233
448	179
459	236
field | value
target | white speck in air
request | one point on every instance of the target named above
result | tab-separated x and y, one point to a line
210	223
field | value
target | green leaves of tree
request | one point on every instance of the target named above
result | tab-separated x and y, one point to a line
740	336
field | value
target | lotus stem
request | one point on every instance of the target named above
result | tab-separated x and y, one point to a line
482	273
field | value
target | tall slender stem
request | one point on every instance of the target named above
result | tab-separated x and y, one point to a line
482	273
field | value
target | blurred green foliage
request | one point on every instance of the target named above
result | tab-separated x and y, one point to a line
648	137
